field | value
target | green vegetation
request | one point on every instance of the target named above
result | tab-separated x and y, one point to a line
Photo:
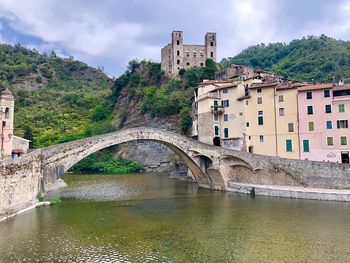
55	201
59	100
145	82
105	162
311	59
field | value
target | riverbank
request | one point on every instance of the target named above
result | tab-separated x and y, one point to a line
36	204
291	192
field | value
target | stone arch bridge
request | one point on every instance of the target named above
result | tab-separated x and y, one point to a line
211	166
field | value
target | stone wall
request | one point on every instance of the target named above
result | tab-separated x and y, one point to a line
20	183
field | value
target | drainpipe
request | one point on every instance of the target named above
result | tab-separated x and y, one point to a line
274	106
298	121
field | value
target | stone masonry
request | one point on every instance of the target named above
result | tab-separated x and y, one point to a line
176	55
213	167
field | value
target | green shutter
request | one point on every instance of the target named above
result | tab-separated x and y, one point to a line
289	145
261	120
311	126
306	145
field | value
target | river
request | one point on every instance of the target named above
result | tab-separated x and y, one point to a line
151	218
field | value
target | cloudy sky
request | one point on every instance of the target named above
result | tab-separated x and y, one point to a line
109	33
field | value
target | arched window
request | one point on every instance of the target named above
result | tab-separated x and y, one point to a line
7	113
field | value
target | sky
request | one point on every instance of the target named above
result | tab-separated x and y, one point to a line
109	33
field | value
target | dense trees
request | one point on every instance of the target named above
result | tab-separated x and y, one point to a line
158	96
312	59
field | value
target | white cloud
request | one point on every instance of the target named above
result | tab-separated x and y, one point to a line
109	33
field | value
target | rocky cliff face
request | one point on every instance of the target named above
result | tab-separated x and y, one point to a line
154	156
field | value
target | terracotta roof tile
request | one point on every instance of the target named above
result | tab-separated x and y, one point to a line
315	87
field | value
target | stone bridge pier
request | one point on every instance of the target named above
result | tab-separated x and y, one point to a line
211	166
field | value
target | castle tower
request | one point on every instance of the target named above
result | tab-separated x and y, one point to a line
176	55
210	44
6	124
177	48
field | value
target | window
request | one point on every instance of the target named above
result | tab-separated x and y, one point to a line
212	54
226	132
211	43
241	114
178	52
341	108
280	98
195	53
177	42
225	117
261	138
329	125
260	113
344	92
342	124
343	140
216	117
260	120
188	63
291	127
306	146
201	53
178	61
216	130
328	108
7	113
311	126
289	145
246	102
258	90
326	93
310	110
281	111
330	141
187	53
247	124
225	103
202	65
260	100
309	95
225	90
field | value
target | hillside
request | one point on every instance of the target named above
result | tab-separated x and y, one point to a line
311	59
56	99
61	99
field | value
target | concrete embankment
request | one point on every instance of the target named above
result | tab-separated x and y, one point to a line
291	192
4	218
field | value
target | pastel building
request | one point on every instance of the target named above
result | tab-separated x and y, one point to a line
219	115
324	115
10	146
272	119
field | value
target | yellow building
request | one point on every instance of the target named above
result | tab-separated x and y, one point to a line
272	119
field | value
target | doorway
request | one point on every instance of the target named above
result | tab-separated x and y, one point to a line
217	141
345	157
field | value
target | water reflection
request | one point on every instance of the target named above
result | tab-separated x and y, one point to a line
150	218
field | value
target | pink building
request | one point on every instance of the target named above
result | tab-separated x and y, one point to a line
324	116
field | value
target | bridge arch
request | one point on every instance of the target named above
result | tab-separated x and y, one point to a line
62	157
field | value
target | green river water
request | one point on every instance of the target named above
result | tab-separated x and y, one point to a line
151	218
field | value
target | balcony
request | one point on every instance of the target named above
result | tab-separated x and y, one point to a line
210	95
217	109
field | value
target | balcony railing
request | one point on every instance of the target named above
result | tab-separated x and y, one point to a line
210	95
217	109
